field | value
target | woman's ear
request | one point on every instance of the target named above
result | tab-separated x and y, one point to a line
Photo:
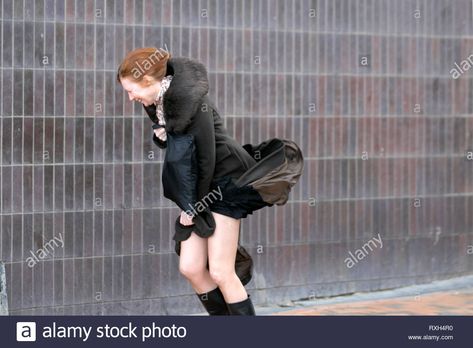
148	79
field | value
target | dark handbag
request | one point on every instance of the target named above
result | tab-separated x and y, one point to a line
179	176
243	265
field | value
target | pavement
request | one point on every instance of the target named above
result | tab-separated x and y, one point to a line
445	297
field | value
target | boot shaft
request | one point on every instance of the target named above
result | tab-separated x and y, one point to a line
214	302
244	307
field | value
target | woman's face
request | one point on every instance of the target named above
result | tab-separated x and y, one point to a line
144	92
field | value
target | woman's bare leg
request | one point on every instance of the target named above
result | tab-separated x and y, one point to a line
222	248
193	263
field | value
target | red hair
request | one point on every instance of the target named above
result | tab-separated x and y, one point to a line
149	61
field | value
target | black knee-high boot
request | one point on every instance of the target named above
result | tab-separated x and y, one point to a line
214	302
244	307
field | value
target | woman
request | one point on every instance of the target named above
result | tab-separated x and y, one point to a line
229	183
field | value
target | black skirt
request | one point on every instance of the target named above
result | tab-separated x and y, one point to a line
236	202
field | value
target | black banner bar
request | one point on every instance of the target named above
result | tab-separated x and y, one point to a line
236	331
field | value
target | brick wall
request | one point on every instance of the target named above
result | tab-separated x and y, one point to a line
364	87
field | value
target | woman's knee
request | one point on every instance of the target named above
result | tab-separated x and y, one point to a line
192	270
222	246
193	257
221	275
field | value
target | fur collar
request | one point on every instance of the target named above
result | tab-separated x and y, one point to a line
188	86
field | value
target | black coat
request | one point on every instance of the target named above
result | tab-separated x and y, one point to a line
188	109
271	167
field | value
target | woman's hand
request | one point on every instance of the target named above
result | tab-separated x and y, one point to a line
160	133
185	220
